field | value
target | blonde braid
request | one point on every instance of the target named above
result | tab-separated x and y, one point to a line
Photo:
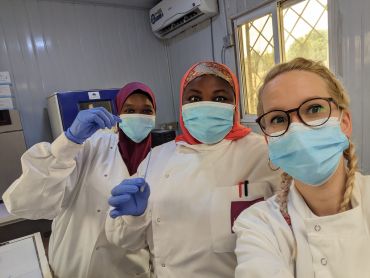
282	200
350	155
282	196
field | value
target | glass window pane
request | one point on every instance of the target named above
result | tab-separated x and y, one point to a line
256	57
305	26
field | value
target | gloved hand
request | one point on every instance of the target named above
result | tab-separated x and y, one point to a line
130	197
88	122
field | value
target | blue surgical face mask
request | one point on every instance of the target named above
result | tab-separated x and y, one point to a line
208	121
309	154
137	126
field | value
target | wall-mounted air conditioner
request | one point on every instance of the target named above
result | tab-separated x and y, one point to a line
170	17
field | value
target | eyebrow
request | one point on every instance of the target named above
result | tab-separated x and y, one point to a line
129	105
194	91
281	109
220	91
215	91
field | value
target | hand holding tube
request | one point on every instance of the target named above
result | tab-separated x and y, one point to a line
130	197
88	122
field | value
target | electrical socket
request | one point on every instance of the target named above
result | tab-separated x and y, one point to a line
228	40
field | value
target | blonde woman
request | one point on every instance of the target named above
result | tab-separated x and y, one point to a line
318	224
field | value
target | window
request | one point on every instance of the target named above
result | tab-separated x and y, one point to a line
276	33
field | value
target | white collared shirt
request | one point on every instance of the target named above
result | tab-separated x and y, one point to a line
335	246
71	183
194	188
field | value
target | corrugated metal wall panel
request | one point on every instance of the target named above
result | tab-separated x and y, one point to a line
185	50
353	40
352	32
49	46
365	86
196	44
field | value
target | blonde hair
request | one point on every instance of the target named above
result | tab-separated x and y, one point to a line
341	98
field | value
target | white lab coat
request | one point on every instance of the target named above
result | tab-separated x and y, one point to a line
71	183
187	224
335	246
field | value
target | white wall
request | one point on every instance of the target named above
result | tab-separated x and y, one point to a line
49	46
184	50
56	45
350	30
352	43
196	44
192	46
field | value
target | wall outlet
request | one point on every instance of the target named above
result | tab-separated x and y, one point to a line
228	41
5	77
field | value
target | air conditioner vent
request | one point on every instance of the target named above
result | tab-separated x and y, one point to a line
180	22
171	17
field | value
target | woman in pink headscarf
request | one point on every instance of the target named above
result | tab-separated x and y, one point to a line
198	183
70	180
136	105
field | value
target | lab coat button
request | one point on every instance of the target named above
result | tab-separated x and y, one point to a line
324	261
158	219
317	228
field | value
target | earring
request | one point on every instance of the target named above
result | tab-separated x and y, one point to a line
271	166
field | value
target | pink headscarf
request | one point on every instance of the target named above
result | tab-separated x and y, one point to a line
133	153
212	68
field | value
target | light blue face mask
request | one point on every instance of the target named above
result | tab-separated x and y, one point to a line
137	126
310	155
208	121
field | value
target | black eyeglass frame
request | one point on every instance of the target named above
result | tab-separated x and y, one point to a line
287	112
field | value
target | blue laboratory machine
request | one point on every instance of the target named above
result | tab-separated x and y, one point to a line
63	107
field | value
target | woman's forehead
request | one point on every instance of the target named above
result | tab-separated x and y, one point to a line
292	88
207	79
209	68
137	98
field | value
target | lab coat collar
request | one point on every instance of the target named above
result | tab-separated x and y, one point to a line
344	223
305	212
304	220
204	147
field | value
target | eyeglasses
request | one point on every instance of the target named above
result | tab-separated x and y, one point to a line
314	112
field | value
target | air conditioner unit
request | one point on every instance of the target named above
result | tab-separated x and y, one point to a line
170	17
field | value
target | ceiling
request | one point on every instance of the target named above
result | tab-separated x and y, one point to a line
130	3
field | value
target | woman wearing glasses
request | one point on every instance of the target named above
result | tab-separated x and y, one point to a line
318	224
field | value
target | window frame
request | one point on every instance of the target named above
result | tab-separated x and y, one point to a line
275	9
